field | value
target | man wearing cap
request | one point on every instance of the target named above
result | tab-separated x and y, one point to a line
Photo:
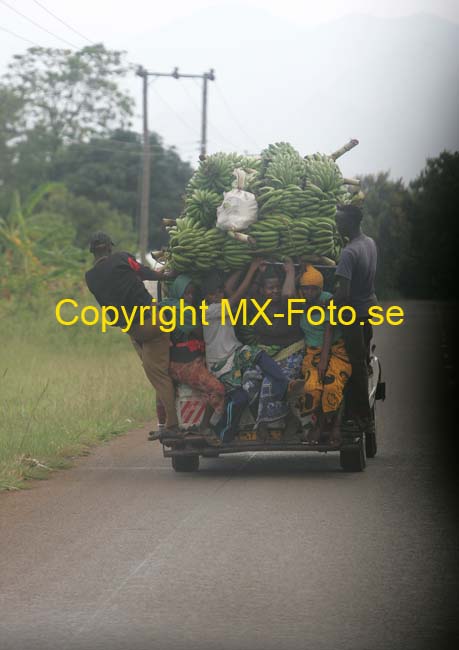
356	274
116	280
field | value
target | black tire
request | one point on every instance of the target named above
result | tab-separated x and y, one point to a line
185	463
352	457
371	444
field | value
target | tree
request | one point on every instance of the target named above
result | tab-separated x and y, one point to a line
108	169
87	216
11	106
57	96
71	95
386	220
103	169
431	266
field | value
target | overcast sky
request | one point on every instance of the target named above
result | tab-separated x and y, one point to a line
243	46
118	22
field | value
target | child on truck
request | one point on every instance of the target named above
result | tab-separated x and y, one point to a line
228	359
326	367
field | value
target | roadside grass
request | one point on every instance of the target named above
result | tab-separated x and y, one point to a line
62	390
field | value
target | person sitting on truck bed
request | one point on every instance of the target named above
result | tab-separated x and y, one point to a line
283	342
187	357
326	367
355	273
228	359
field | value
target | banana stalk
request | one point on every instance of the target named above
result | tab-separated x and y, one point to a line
240	236
351	181
344	149
318	259
158	255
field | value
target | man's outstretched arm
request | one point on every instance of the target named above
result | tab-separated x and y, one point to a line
144	272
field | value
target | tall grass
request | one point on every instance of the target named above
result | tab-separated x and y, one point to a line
62	389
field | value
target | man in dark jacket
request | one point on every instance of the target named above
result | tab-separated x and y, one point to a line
116	280
356	273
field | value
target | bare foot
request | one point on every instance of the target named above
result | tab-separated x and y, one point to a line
295	389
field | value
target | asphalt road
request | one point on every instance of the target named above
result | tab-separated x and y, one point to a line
256	551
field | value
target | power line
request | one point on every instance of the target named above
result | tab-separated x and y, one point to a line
217	131
63	22
190	96
23	38
33	22
235	119
177	115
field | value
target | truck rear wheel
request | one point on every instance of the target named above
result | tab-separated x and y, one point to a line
185	463
352	456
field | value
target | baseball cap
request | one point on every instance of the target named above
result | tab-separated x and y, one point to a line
98	240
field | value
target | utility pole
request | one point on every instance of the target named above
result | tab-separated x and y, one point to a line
145	203
206	76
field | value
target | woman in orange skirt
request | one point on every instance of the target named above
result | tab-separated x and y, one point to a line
326	367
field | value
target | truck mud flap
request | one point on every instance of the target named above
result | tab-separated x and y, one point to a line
381	390
381	386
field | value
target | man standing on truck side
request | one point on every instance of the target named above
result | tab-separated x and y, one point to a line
355	274
116	279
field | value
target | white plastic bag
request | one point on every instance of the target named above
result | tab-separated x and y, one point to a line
239	208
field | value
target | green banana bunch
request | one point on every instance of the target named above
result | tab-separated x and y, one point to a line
297	239
182	224
249	162
201	206
289	200
183	242
322	237
269	154
267	231
286	169
209	249
215	173
321	170
297	201
236	254
192	247
301	233
267	242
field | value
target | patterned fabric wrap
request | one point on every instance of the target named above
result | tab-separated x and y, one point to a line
269	409
196	375
231	371
329	395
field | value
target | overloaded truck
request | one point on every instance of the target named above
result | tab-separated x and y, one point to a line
275	205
